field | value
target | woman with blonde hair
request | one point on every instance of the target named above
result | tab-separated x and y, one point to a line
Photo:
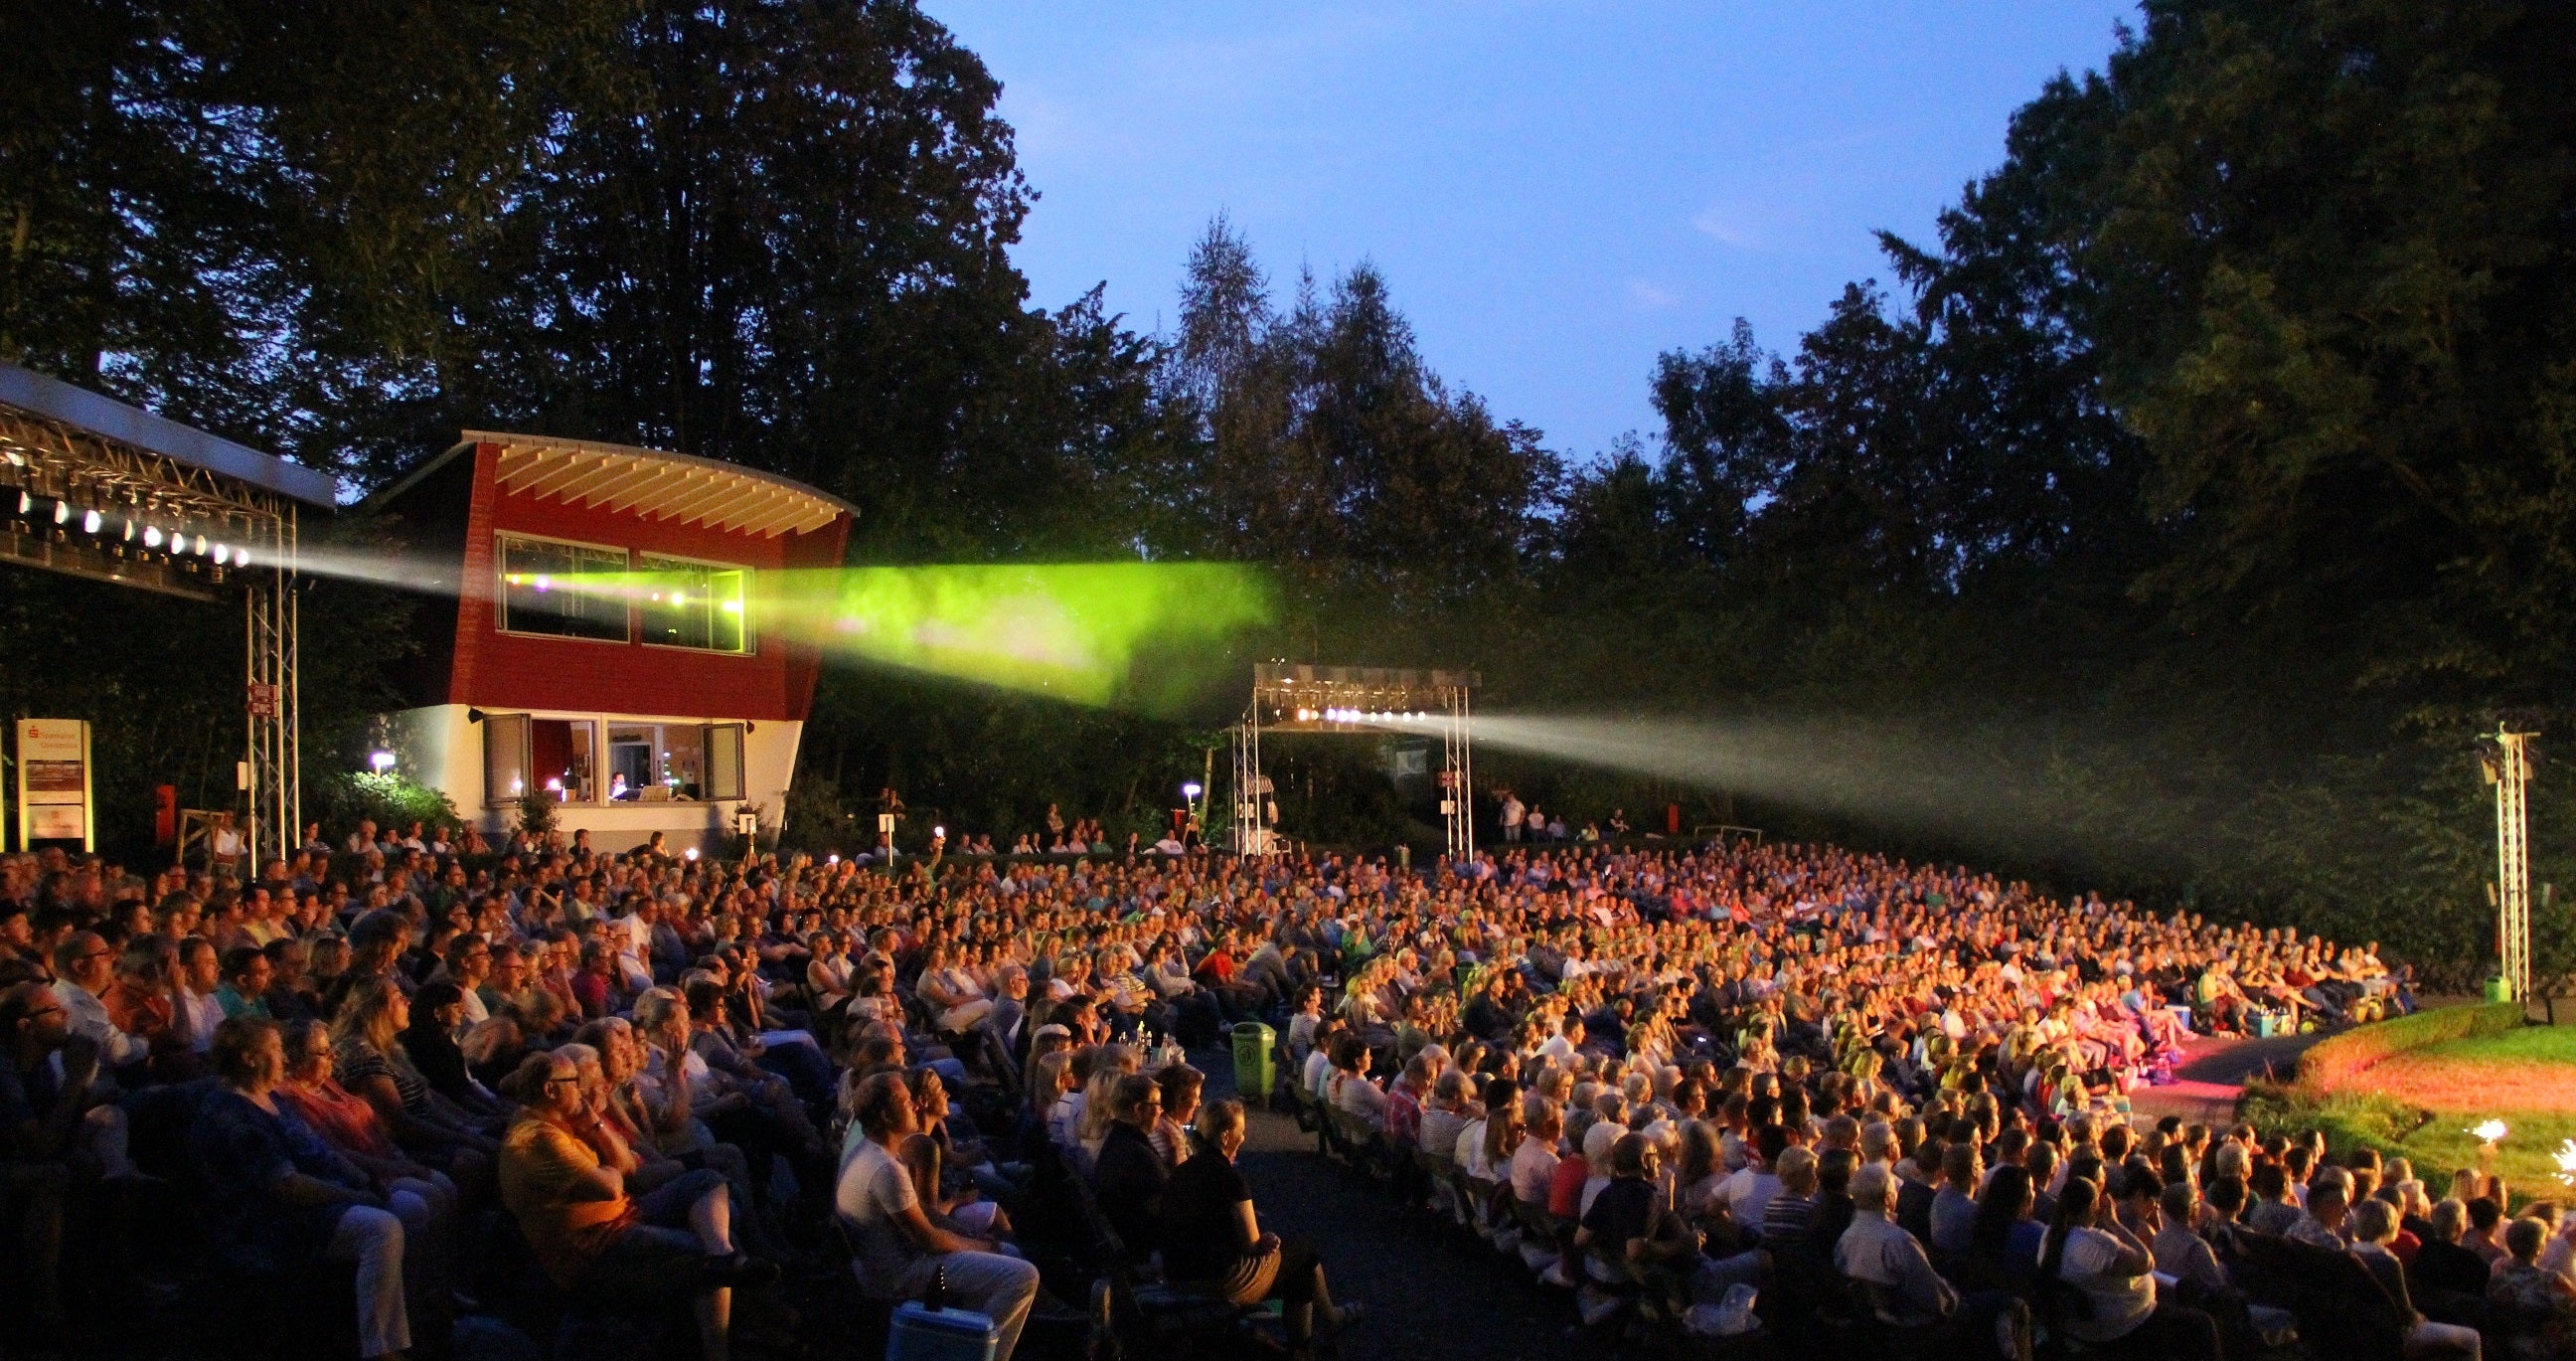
1113	1062
366	1040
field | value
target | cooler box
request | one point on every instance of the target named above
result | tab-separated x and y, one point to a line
2270	1023
1255	1064
921	1334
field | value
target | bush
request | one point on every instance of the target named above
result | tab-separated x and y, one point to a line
2349	1120
387	800
2335	1062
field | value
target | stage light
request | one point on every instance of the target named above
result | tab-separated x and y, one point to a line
25	502
152	536
129	531
90	523
62	511
382	761
223	554
201	545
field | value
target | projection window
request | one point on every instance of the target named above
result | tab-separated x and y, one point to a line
695	605
674	762
563	590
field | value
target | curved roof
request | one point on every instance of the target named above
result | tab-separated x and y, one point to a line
651	482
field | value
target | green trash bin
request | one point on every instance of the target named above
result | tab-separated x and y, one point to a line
2498	990
1255	1068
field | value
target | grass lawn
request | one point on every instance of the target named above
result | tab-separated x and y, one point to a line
2525	1077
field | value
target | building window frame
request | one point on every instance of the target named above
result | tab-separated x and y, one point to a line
647	561
501	586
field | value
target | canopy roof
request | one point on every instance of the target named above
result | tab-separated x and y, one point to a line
656	483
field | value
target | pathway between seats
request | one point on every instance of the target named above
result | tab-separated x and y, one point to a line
1432	1292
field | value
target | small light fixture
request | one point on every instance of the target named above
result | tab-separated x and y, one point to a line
90	523
381	760
62	511
152	536
1191	790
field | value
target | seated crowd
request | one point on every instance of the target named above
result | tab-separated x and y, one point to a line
630	1086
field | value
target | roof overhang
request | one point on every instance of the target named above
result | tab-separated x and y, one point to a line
654	483
33	395
92	487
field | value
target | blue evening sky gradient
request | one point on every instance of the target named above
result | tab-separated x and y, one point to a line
1555	192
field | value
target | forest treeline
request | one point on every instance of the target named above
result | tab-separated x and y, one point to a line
2172	521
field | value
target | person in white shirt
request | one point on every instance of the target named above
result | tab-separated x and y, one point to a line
1533	1164
897	1250
87	965
2090	1249
200	973
1747	1192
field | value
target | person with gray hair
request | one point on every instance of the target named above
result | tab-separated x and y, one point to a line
2374	1227
2179	1252
1886	1261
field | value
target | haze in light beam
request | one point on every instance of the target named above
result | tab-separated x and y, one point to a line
1132	634
1139	635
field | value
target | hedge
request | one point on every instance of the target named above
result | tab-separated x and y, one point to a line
2334	1062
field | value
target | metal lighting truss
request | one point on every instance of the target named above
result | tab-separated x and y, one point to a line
122	508
1290	697
276	747
2507	764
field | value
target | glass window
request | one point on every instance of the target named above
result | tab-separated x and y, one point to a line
674	762
560	757
564	590
505	758
694	604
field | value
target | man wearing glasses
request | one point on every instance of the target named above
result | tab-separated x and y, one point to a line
45	1078
87	967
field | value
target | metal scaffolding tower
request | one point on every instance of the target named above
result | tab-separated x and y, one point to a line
275	754
1255	810
2507	764
1457	777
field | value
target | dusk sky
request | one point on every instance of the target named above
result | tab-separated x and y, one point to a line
1555	192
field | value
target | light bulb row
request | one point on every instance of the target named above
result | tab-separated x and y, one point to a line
178	542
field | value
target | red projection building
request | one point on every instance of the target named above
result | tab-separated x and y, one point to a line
602	637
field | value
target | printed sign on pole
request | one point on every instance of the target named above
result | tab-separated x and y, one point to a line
54	782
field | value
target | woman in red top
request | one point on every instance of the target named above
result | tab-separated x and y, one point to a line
139	1003
424	1199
